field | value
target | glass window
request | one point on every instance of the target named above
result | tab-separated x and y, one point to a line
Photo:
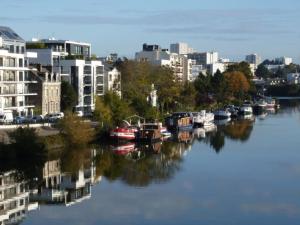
21	76
11	49
1	61
20	62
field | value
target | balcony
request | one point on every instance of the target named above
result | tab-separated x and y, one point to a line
87	81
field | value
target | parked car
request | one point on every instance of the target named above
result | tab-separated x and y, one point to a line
6	117
53	117
37	119
19	120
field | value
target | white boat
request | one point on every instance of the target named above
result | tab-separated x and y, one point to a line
222	114
260	106
202	118
271	103
246	109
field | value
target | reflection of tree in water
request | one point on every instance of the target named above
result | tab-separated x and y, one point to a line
26	154
156	166
239	130
217	141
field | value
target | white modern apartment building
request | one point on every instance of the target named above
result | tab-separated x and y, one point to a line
155	55
205	58
15	74
87	77
72	60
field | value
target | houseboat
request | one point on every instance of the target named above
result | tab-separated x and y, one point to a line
149	132
180	121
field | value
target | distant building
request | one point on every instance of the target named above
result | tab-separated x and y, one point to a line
14	74
205	58
112	79
284	60
293	78
181	48
155	55
254	59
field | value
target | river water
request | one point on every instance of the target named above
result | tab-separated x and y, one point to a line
243	172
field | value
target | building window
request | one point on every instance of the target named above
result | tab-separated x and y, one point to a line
20	62
1	61
21	76
11	49
17	49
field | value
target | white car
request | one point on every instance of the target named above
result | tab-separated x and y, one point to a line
53	117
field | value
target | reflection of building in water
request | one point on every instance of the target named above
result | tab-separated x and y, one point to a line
65	188
14	199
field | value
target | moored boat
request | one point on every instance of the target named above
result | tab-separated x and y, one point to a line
180	121
246	109
260	106
123	133
222	114
202	118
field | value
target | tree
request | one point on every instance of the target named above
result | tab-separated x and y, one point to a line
219	86
262	71
243	67
103	113
203	87
68	96
75	131
238	84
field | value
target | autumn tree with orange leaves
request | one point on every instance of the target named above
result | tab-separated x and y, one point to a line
237	83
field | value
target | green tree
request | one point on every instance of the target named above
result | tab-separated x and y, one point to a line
262	71
68	96
103	113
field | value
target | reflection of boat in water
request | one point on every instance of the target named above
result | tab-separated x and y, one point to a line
247	117
222	122
123	149
184	136
210	127
262	116
199	133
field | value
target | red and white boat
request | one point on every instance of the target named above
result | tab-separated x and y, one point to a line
125	133
123	149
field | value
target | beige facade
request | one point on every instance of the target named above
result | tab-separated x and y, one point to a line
51	92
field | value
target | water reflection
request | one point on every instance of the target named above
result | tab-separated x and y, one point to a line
65	176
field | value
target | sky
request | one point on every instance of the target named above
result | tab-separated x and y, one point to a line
234	28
